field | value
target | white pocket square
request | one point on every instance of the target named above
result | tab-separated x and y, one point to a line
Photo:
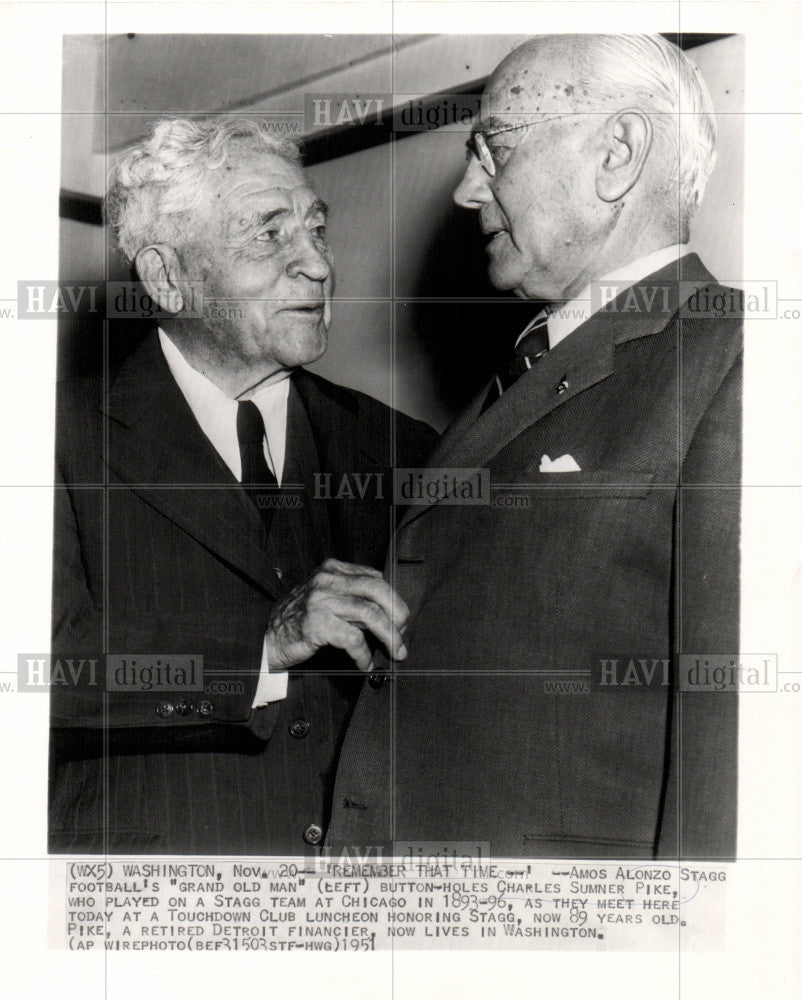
565	463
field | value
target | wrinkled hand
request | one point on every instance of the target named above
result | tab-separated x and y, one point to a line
336	607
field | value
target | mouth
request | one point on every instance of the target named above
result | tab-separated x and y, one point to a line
492	228
494	237
306	308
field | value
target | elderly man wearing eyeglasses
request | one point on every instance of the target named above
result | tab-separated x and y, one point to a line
545	709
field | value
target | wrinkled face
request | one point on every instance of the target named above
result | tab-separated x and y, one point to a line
540	210
262	253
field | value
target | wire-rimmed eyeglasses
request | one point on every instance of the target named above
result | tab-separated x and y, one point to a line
477	146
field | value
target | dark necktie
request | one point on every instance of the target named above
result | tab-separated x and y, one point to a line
259	482
531	347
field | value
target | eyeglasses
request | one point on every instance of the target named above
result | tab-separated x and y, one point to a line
477	146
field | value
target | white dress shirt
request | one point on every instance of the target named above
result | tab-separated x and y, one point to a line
568	316
216	414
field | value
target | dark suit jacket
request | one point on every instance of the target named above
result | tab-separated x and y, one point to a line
158	550
635	557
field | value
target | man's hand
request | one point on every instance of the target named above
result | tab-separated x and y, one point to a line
335	607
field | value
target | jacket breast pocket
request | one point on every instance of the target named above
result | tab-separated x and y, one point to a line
632	484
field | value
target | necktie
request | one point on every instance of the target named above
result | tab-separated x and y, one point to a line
259	482
529	349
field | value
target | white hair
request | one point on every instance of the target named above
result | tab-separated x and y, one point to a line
657	78
156	185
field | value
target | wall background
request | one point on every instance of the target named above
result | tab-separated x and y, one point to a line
416	322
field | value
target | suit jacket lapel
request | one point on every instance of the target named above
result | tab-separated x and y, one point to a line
574	365
157	449
582	360
333	416
346	444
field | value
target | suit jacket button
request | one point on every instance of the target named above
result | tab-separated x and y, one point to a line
313	834
205	709
562	386
299	728
183	707
377	681
164	710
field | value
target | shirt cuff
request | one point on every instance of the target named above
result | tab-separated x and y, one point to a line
271	687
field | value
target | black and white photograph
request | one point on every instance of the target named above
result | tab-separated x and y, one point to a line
228	511
415	499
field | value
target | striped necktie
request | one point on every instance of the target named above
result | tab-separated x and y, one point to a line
532	345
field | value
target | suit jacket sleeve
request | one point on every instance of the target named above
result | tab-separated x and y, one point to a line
78	633
699	818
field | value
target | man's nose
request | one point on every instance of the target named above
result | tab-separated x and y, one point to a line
309	260
473	191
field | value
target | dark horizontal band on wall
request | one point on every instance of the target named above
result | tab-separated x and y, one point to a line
77	207
345	139
689	40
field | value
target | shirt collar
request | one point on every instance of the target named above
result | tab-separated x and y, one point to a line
566	317
216	412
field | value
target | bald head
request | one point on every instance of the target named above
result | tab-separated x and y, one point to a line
553	74
539	77
593	165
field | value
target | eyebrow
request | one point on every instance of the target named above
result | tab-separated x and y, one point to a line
317	207
262	218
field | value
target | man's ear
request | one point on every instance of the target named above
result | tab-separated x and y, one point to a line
627	141
160	271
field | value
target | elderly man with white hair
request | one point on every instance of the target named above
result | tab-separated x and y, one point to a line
192	540
547	707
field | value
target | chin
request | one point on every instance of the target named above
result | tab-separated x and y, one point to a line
306	348
525	284
501	278
507	267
